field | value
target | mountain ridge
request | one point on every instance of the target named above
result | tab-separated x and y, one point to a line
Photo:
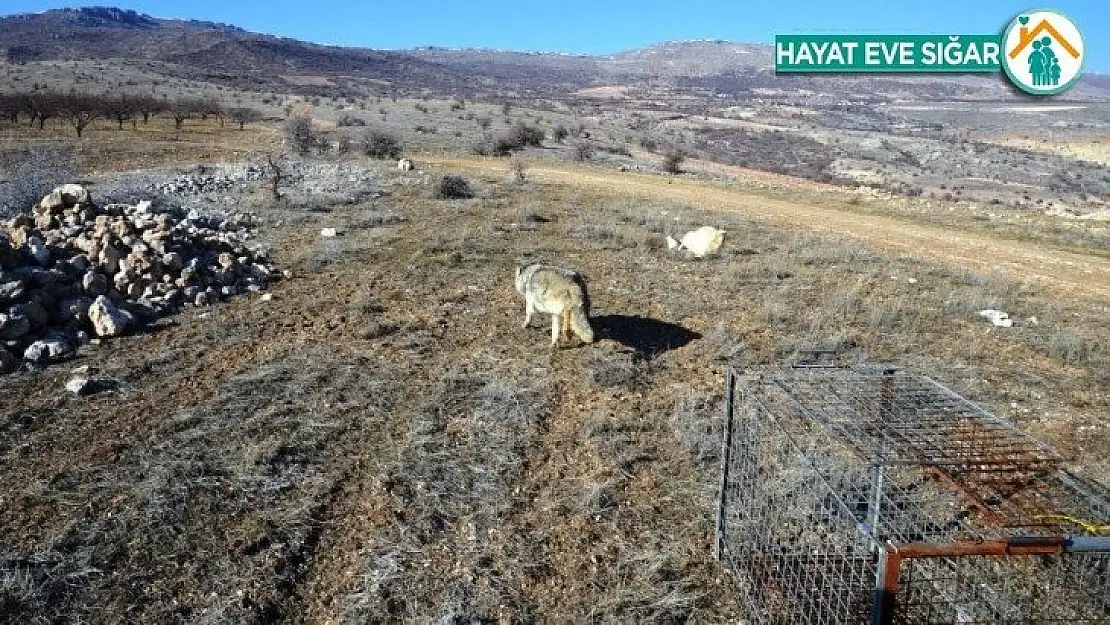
196	49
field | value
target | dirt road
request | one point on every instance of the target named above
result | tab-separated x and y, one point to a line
1067	273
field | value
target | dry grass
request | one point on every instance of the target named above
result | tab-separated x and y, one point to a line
106	148
383	442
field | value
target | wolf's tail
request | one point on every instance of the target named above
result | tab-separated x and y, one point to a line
580	323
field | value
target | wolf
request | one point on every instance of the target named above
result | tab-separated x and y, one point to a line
560	293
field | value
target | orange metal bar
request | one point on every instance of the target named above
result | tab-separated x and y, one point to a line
883	613
989	515
1017	546
894	554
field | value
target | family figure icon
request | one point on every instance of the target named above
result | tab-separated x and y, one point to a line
1043	64
1044	52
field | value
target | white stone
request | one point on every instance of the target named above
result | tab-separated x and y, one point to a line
46	350
78	385
703	241
107	319
997	318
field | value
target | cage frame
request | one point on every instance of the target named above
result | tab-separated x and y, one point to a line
892	557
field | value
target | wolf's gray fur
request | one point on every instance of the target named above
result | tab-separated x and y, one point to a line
560	293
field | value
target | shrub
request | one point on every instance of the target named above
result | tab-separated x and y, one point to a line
483	146
350	120
527	135
504	146
377	143
299	134
559	133
516	138
451	187
672	161
583	151
619	150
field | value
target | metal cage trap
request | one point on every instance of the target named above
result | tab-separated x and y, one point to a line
867	495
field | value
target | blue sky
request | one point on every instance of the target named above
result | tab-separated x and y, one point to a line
603	26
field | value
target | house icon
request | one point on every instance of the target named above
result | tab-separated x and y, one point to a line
1026	37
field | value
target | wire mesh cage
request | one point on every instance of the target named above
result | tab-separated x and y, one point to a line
868	495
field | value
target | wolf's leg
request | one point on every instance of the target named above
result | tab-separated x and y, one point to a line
555	329
528	310
566	324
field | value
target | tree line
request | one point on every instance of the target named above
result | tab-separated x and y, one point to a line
80	109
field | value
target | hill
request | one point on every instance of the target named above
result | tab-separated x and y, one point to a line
210	51
229	55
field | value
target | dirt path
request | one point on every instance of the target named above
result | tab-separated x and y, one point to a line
1069	274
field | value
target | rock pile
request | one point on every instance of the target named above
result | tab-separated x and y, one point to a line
71	271
203	183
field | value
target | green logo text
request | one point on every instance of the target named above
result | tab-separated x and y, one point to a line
887	53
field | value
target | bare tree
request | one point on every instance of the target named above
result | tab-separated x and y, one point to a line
207	107
276	176
12	105
43	106
120	109
244	115
80	110
148	106
183	109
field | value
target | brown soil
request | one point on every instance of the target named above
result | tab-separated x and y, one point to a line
384	442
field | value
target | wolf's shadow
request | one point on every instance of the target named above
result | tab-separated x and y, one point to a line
647	337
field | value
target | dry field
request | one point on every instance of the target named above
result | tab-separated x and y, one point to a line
139	146
1088	146
383	442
